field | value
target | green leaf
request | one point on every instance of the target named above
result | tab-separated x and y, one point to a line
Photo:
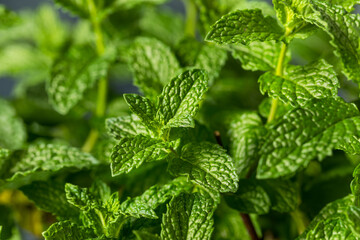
244	27
180	99
126	126
144	109
245	131
189	216
40	161
66	230
355	186
331	222
229	224
301	83
353	217
341	26
142	235
50	196
131	152
206	164
127	4
145	204
284	194
305	133
77	7
100	208
347	4
12	128
249	198
73	74
7	18
153	65
295	26
258	56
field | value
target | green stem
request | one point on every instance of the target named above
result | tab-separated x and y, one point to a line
103	82
300	220
278	72
190	24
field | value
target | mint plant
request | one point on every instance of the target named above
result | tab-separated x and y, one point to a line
243	124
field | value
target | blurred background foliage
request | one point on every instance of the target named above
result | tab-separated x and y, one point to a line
39	33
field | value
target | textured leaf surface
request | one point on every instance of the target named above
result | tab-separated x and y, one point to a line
66	230
43	160
249	198
50	196
189	216
330	223
244	27
100	209
258	56
143	108
301	83
131	152
126	126
305	133
77	7
342	27
12	129
244	131
180	99
355	186
73	74
207	164
153	65
284	194
145	204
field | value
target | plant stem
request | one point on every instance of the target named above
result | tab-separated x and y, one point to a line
300	220
249	226
190	24
103	82
278	72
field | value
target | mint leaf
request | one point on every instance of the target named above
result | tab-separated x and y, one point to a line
100	208
180	99
244	27
211	58
142	235
77	7
249	198
301	83
347	4
355	186
143	108
331	222
125	126
153	65
341	26
258	56
284	194
50	196
7	18
305	133
245	131
40	161
131	152
66	230
206	164
73	74
12	129
145	204
353	217
189	216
